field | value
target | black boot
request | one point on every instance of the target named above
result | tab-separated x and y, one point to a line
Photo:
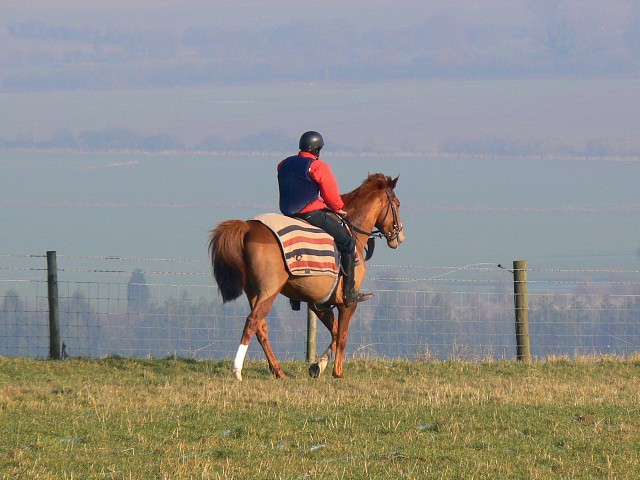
295	304
349	295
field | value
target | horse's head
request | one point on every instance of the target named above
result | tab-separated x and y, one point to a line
389	222
374	209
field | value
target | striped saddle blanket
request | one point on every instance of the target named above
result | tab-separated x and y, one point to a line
307	250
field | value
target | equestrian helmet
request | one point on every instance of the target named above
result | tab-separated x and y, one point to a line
311	142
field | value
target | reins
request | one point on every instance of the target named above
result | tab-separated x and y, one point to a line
377	233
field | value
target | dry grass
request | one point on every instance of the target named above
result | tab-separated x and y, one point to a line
121	418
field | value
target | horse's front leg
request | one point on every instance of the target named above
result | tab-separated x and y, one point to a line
344	317
329	320
316	369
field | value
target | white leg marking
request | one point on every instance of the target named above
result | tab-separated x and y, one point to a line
322	364
324	360
239	361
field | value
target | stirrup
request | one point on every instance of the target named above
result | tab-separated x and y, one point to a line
356	298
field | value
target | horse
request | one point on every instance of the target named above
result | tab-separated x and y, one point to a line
246	256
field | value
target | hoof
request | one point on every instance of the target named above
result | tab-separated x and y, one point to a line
314	370
237	374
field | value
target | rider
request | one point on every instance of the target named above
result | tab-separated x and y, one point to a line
309	190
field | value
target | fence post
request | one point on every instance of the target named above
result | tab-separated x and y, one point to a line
312	329
523	350
54	321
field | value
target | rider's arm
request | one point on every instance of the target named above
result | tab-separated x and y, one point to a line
321	173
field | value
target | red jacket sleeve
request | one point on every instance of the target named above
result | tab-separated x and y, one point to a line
321	173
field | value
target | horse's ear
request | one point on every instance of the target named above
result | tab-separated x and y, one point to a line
394	182
368	174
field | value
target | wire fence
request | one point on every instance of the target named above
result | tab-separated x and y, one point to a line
156	307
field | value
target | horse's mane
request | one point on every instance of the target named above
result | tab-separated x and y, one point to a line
369	186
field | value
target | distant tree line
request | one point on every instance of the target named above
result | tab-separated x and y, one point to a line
558	40
121	139
115	139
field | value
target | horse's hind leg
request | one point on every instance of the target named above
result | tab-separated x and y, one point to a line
263	338
329	320
257	325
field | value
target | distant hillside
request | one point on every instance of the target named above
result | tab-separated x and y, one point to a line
120	45
593	118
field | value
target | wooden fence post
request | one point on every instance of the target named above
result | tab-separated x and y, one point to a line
54	321
523	350
312	330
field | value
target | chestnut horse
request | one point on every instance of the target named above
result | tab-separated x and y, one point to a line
245	255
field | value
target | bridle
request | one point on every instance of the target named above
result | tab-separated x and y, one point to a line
397	226
377	233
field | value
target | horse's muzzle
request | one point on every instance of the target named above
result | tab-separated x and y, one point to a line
396	240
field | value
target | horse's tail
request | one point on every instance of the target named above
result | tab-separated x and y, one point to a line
226	250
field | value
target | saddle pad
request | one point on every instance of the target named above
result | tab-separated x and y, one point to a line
307	250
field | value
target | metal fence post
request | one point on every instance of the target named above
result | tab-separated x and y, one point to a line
54	321
312	330
523	350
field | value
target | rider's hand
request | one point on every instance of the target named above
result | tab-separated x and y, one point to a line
341	212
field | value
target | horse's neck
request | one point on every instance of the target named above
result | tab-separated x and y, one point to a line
361	243
365	219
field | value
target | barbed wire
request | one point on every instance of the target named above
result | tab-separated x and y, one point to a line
107	257
474	266
380	279
482	267
24	269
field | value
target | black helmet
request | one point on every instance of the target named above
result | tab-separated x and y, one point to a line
311	142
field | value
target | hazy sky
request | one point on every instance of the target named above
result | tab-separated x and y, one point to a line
260	13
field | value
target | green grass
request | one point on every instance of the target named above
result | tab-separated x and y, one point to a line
125	418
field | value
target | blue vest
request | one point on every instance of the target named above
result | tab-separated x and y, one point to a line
297	188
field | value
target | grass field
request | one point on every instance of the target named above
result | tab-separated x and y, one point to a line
125	418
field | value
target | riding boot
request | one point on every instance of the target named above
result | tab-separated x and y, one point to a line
349	295
295	304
